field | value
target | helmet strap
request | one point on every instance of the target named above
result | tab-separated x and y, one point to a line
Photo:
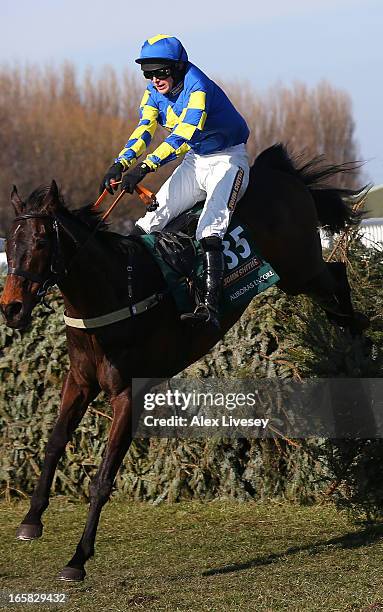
177	89
178	74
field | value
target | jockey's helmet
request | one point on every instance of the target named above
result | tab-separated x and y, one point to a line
161	50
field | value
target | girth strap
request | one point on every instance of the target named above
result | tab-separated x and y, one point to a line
117	315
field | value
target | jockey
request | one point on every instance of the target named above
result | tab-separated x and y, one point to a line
203	123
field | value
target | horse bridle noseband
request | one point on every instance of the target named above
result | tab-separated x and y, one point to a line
56	268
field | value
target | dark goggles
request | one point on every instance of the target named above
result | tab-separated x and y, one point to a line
160	73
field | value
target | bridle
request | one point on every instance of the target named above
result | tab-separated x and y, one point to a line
56	268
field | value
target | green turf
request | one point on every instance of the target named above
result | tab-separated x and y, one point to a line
194	557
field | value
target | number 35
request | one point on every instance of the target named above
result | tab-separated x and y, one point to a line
241	246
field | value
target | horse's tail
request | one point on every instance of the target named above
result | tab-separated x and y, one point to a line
336	206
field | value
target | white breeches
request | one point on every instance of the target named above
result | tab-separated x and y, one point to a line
221	178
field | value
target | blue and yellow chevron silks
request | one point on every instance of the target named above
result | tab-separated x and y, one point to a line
171	119
142	135
199	117
154	161
190	123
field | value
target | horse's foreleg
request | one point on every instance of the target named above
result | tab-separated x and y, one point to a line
119	440
74	402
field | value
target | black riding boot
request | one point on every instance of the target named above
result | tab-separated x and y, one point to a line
206	313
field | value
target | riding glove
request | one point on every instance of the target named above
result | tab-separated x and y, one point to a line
114	174
133	177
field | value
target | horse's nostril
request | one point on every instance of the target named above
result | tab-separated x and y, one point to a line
12	310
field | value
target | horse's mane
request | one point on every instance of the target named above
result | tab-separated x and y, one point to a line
86	214
87	218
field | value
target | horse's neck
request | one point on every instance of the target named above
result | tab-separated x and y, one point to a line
88	286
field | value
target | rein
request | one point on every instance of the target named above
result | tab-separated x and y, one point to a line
147	197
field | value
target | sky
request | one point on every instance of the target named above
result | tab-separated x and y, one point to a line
261	42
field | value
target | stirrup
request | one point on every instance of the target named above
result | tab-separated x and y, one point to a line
202	315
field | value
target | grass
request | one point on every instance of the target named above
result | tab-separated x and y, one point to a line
216	557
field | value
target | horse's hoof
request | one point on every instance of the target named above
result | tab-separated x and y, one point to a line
73	574
29	532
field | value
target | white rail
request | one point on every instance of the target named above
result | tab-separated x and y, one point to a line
370	230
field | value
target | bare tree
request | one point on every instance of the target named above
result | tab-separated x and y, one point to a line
57	125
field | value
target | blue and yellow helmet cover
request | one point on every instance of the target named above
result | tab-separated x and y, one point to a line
164	47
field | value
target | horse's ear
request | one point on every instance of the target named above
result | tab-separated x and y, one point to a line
16	201
52	199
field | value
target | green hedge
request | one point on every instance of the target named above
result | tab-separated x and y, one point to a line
277	336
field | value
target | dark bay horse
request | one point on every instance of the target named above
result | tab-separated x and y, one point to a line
48	244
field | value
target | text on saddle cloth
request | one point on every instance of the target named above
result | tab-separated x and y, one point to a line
180	260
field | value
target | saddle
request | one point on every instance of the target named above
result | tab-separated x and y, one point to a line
178	250
186	222
179	257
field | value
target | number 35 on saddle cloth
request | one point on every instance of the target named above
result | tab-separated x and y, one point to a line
180	259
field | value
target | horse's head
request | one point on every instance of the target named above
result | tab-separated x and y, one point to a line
31	247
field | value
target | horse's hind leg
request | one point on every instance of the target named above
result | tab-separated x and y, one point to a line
74	402
119	440
358	322
331	290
